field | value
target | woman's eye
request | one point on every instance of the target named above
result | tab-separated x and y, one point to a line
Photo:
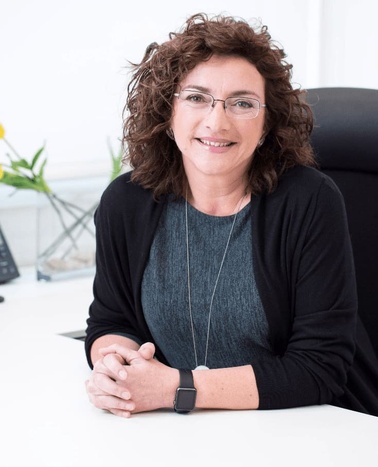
243	104
196	98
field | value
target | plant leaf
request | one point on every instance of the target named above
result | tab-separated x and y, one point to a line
116	162
18	181
23	163
42	168
36	157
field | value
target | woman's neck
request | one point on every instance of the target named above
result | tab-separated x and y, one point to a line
219	200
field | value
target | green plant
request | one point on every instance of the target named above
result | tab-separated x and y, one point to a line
25	174
20	173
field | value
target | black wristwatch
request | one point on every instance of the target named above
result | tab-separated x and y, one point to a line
186	393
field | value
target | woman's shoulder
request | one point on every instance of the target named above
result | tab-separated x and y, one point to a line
306	182
122	191
125	199
123	184
305	177
301	190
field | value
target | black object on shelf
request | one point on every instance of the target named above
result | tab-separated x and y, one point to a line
8	268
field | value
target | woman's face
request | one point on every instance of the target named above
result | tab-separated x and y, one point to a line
213	142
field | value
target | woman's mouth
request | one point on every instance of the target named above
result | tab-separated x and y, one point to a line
215	144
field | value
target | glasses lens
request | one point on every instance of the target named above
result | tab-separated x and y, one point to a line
236	107
196	99
243	107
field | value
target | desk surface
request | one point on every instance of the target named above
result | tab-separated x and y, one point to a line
46	419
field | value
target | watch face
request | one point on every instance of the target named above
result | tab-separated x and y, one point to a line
185	399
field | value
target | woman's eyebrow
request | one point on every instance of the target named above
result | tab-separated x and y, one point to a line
196	87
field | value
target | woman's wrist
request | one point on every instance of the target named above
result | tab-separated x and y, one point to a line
170	384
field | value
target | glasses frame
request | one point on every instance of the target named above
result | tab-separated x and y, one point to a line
225	107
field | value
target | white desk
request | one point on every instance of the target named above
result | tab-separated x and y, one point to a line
46	419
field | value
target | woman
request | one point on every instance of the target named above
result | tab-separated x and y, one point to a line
224	268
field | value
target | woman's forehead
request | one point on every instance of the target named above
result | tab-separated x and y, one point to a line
225	74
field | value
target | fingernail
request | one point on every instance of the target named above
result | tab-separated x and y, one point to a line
122	374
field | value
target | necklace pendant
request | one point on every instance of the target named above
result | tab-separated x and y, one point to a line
201	367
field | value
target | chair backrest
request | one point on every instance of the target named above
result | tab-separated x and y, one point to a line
345	139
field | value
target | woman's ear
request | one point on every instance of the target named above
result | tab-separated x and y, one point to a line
170	134
261	142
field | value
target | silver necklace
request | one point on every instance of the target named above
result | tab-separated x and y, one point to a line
204	367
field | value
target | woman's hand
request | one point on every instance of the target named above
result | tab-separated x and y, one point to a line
126	381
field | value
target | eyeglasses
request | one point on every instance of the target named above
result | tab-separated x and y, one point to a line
236	107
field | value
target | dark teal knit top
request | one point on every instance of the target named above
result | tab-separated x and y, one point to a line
238	325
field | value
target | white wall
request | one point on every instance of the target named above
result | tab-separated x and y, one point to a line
63	74
349	43
63	65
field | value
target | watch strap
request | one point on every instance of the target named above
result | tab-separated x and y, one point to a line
186	379
185	393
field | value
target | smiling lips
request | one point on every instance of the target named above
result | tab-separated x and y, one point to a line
215	144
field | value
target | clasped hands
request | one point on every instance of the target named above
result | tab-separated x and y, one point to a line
126	381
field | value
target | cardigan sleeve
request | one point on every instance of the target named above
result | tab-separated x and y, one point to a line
124	220
305	274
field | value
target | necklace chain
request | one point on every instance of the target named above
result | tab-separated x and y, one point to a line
216	281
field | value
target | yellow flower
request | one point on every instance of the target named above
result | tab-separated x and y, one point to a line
2	131
1	172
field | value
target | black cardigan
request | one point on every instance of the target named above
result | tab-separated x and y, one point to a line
304	272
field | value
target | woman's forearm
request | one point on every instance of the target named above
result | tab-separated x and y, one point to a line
226	388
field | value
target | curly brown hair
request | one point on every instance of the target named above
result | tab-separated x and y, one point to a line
154	157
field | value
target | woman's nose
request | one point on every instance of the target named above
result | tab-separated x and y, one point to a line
217	117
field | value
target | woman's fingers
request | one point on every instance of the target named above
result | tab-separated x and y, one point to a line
106	394
147	351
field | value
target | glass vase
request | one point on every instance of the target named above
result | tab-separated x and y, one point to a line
65	229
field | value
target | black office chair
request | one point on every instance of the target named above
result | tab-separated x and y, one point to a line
345	139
